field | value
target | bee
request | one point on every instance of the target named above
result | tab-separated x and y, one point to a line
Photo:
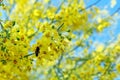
37	51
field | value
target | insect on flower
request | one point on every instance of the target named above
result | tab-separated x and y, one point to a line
37	51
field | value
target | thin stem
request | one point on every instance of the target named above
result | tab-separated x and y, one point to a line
59	7
90	5
32	35
115	12
109	66
1	26
60	26
26	56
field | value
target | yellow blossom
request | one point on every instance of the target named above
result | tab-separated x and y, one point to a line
118	67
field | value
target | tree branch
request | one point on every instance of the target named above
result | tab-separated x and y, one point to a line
90	5
60	27
1	26
115	12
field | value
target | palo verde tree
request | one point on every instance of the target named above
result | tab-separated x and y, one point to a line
40	41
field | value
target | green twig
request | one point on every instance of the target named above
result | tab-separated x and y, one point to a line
33	34
28	55
60	26
1	26
90	6
115	12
